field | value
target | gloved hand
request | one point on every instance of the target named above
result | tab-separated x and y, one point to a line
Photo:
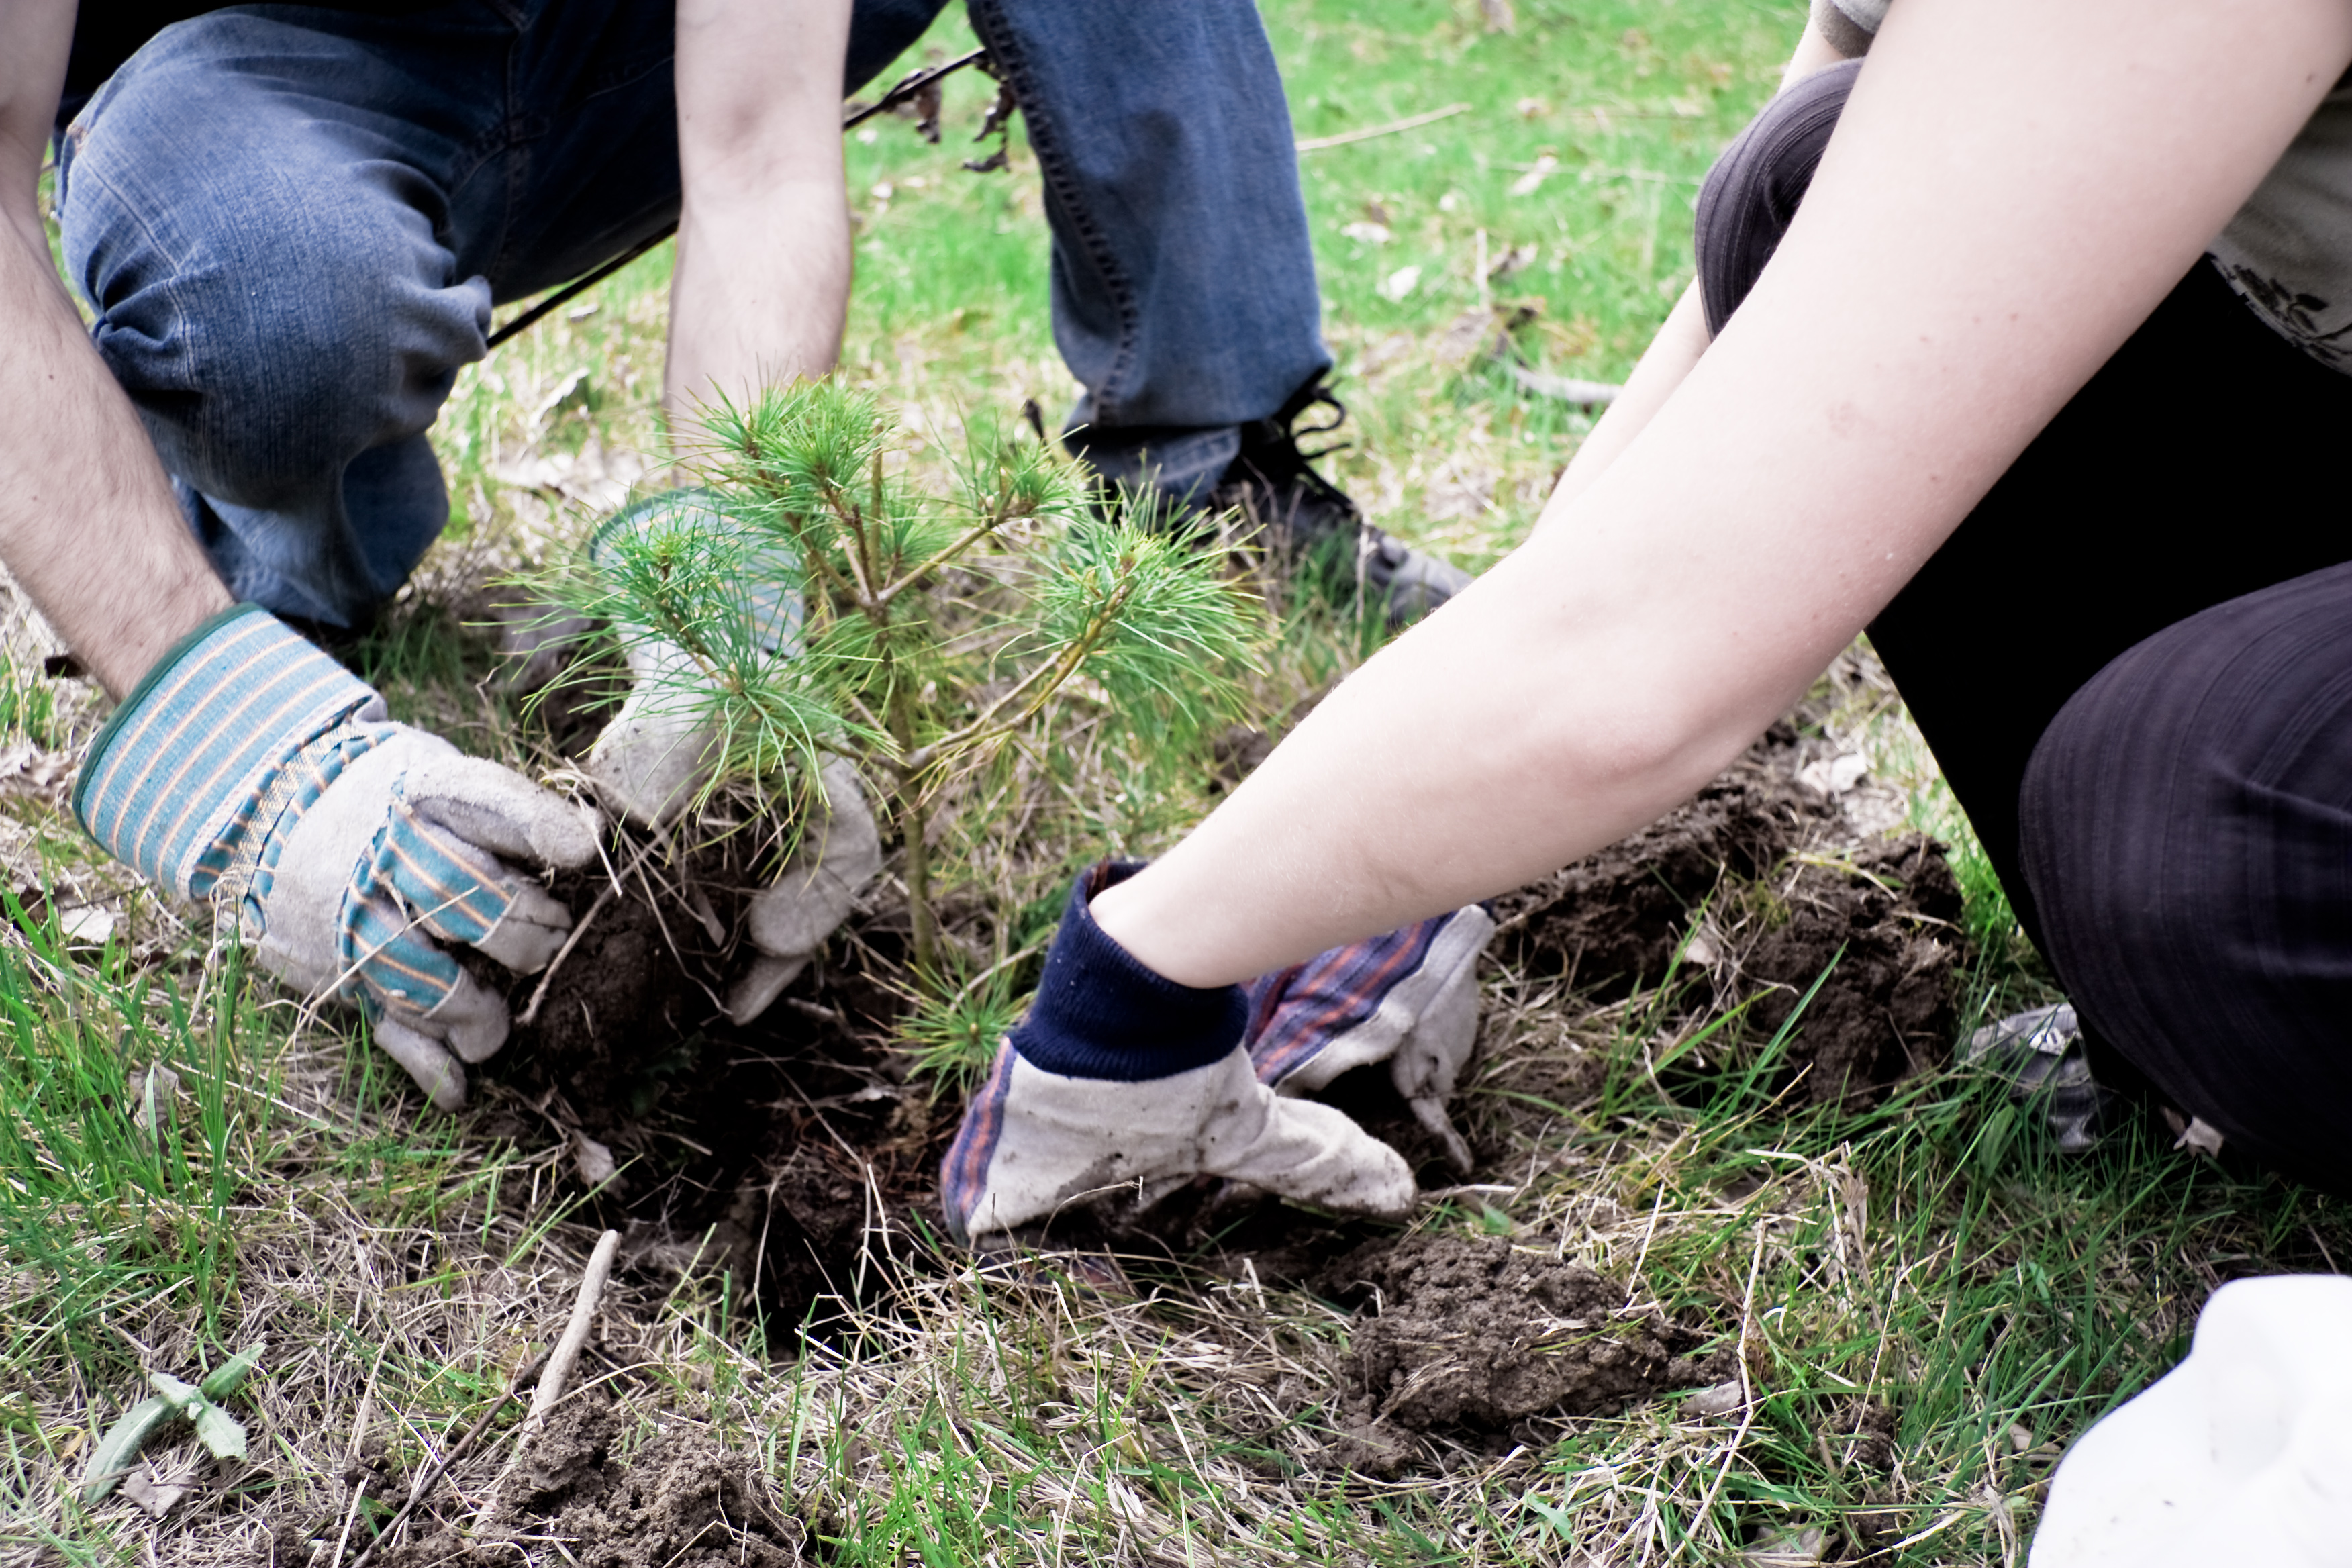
661	748
1120	1077
789	920
1409	998
250	769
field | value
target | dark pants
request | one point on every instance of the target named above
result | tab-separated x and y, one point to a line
291	223
2134	663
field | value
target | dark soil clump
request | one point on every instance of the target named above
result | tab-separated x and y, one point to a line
1886	932
680	1499
1882	919
1471	1337
745	1147
1611	920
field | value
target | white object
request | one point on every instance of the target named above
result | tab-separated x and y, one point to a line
1063	1141
2242	1454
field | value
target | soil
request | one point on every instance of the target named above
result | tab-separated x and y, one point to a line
680	1499
1786	895
1887	932
734	1144
1471	1337
1611	921
788	1150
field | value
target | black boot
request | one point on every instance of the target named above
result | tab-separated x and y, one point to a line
1312	524
1296	513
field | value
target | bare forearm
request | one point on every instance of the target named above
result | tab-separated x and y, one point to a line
1938	298
88	524
763	277
759	296
1669	358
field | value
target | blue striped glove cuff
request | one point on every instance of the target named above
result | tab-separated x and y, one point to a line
187	778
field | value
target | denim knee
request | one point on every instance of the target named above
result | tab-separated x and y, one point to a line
1751	194
2186	824
272	313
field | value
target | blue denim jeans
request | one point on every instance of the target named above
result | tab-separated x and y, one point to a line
291	224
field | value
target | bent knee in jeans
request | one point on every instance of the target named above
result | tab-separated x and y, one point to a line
269	292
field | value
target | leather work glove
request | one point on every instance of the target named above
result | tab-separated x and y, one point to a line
661	748
1120	1077
1409	998
251	770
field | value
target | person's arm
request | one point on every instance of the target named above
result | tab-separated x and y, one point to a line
763	277
88	524
1681	339
1988	225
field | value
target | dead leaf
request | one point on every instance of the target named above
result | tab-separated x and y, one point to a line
1500	18
87	925
592	478
1541	170
2196	1135
1368	233
1518	258
1790	1549
570	392
1476	335
1400	283
593	1160
26	769
157	1497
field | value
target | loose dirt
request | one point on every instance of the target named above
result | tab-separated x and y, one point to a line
1763	887
1471	1337
1611	921
793	1153
1884	928
678	1501
747	1148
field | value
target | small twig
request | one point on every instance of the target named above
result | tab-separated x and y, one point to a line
529	1014
560	1361
359	1491
430	1476
1052	674
1747	1385
910	578
1411	122
1543	383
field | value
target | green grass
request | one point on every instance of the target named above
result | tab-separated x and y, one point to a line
1933	1257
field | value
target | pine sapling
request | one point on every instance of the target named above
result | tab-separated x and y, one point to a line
926	631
